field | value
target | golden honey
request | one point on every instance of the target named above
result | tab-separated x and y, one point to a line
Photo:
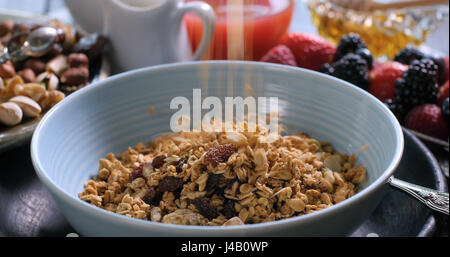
385	32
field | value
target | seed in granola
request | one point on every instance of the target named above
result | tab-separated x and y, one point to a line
170	184
158	161
320	186
179	164
219	153
213	180
153	196
205	208
228	209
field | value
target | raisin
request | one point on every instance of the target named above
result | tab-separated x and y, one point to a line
228	209
179	164
153	196
158	161
205	208
219	153
170	184
136	173
320	186
213	180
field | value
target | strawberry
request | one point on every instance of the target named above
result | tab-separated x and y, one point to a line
382	79
443	93
427	119
280	54
310	51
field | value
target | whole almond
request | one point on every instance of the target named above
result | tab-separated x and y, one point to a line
29	107
10	113
58	64
75	76
38	66
27	75
7	70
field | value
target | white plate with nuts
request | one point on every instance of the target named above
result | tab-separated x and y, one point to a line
30	87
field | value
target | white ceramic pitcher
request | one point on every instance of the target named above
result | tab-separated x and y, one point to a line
150	32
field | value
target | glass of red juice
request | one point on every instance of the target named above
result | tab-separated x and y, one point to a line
259	25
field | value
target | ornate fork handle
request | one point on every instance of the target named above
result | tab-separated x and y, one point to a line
435	200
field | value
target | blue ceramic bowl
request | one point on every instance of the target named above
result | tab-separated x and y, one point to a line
111	115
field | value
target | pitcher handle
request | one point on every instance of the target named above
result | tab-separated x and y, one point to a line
208	17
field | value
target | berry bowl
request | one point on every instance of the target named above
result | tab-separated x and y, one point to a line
111	115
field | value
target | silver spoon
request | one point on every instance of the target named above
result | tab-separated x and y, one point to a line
435	200
37	43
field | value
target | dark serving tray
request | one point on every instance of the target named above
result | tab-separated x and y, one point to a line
26	208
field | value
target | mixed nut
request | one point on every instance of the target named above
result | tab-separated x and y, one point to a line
32	86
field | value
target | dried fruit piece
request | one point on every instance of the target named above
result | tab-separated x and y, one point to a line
136	173
205	208
219	153
153	196
235	221
179	164
158	161
228	209
170	184
213	180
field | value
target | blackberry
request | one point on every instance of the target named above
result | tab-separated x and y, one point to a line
366	55
397	109
417	86
327	69
442	69
352	68
408	54
349	44
445	111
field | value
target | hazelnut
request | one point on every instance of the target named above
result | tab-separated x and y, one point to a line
6	27
7	70
78	60
75	76
36	65
27	75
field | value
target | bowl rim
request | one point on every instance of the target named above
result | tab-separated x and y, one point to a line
85	207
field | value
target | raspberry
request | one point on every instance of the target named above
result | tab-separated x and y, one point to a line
219	153
204	208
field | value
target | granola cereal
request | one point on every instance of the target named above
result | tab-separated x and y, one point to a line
220	178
